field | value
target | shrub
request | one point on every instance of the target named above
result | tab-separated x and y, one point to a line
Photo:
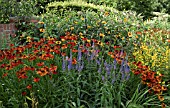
13	8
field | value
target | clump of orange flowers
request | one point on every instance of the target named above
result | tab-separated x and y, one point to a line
150	78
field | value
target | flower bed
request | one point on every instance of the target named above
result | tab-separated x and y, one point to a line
86	59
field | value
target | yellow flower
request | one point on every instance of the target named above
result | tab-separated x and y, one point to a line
75	42
129	34
161	98
88	27
101	34
48	37
88	41
106	28
81	34
21	36
42	30
75	22
58	42
41	22
72	28
63	40
100	43
106	13
134	44
82	37
28	39
125	20
108	32
82	18
104	22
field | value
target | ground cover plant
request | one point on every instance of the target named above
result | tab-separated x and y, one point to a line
87	59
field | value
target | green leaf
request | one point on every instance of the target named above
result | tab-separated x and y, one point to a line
133	105
28	98
167	97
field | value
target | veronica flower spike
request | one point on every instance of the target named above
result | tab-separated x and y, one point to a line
70	62
63	64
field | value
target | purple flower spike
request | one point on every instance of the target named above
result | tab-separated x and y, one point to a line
98	62
113	80
121	53
105	64
114	63
127	69
123	76
100	69
79	54
103	78
80	68
70	62
128	76
69	65
63	65
108	69
122	66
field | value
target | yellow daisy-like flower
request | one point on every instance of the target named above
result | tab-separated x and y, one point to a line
28	39
72	28
104	22
101	44
88	41
106	13
101	34
72	34
42	30
80	33
160	97
63	40
129	34
58	42
41	22
48	37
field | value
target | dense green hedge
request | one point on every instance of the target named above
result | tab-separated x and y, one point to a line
12	8
146	7
76	6
37	7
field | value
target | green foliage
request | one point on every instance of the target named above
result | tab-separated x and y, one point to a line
26	31
20	9
76	6
71	89
146	7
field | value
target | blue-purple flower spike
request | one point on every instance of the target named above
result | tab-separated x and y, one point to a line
127	69
79	54
64	64
103	78
99	70
114	64
70	62
122	66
